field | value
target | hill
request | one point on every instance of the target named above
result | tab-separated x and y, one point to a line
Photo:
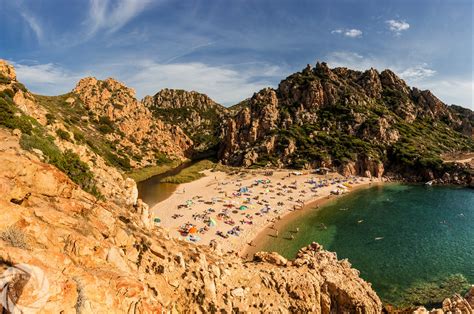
356	122
196	114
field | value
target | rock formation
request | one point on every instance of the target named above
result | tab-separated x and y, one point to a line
195	113
137	130
356	122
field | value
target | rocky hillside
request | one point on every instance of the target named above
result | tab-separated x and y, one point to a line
198	115
127	123
357	122
103	255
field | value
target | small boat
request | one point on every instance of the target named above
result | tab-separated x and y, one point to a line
360	221
378	238
429	183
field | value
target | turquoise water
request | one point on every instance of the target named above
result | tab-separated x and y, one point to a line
425	239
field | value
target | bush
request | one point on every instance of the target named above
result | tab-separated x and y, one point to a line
4	79
105	125
64	135
11	118
68	162
79	136
50	118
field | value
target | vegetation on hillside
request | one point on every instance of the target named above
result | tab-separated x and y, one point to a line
34	136
85	128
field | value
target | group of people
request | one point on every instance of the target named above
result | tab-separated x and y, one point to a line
231	213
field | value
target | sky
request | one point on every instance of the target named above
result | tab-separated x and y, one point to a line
230	49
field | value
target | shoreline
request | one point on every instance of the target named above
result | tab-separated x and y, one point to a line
262	236
216	196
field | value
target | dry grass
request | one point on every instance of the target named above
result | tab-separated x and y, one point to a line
14	237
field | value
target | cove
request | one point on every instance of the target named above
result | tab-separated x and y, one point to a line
415	244
153	191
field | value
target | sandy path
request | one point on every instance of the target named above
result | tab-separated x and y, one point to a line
281	196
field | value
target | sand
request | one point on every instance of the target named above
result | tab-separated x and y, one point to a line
286	193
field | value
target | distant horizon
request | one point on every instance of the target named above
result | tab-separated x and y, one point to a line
230	50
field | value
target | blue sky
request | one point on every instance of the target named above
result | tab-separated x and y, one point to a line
230	49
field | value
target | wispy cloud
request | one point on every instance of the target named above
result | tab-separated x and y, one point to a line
112	15
397	26
189	51
33	24
352	33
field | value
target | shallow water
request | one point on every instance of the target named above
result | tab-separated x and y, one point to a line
404	239
153	191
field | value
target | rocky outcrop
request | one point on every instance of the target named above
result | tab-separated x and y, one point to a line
195	113
7	71
455	304
137	130
358	122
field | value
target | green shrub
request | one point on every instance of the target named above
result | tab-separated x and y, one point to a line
64	135
19	86
105	125
79	136
4	79
50	118
68	162
12	118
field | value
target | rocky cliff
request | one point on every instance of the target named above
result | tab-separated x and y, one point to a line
128	123
198	115
357	122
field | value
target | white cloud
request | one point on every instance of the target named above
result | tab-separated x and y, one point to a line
352	33
226	85
397	26
417	72
33	24
349	59
103	15
47	78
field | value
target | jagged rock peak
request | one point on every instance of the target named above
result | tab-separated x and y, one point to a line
7	70
111	84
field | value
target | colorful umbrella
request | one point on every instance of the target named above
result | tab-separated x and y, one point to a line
212	222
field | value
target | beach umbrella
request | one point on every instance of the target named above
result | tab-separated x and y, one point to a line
156	220
192	230
243	207
212	222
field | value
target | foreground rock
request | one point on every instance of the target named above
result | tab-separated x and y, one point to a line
99	257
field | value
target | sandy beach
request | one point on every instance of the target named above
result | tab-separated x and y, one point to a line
234	209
